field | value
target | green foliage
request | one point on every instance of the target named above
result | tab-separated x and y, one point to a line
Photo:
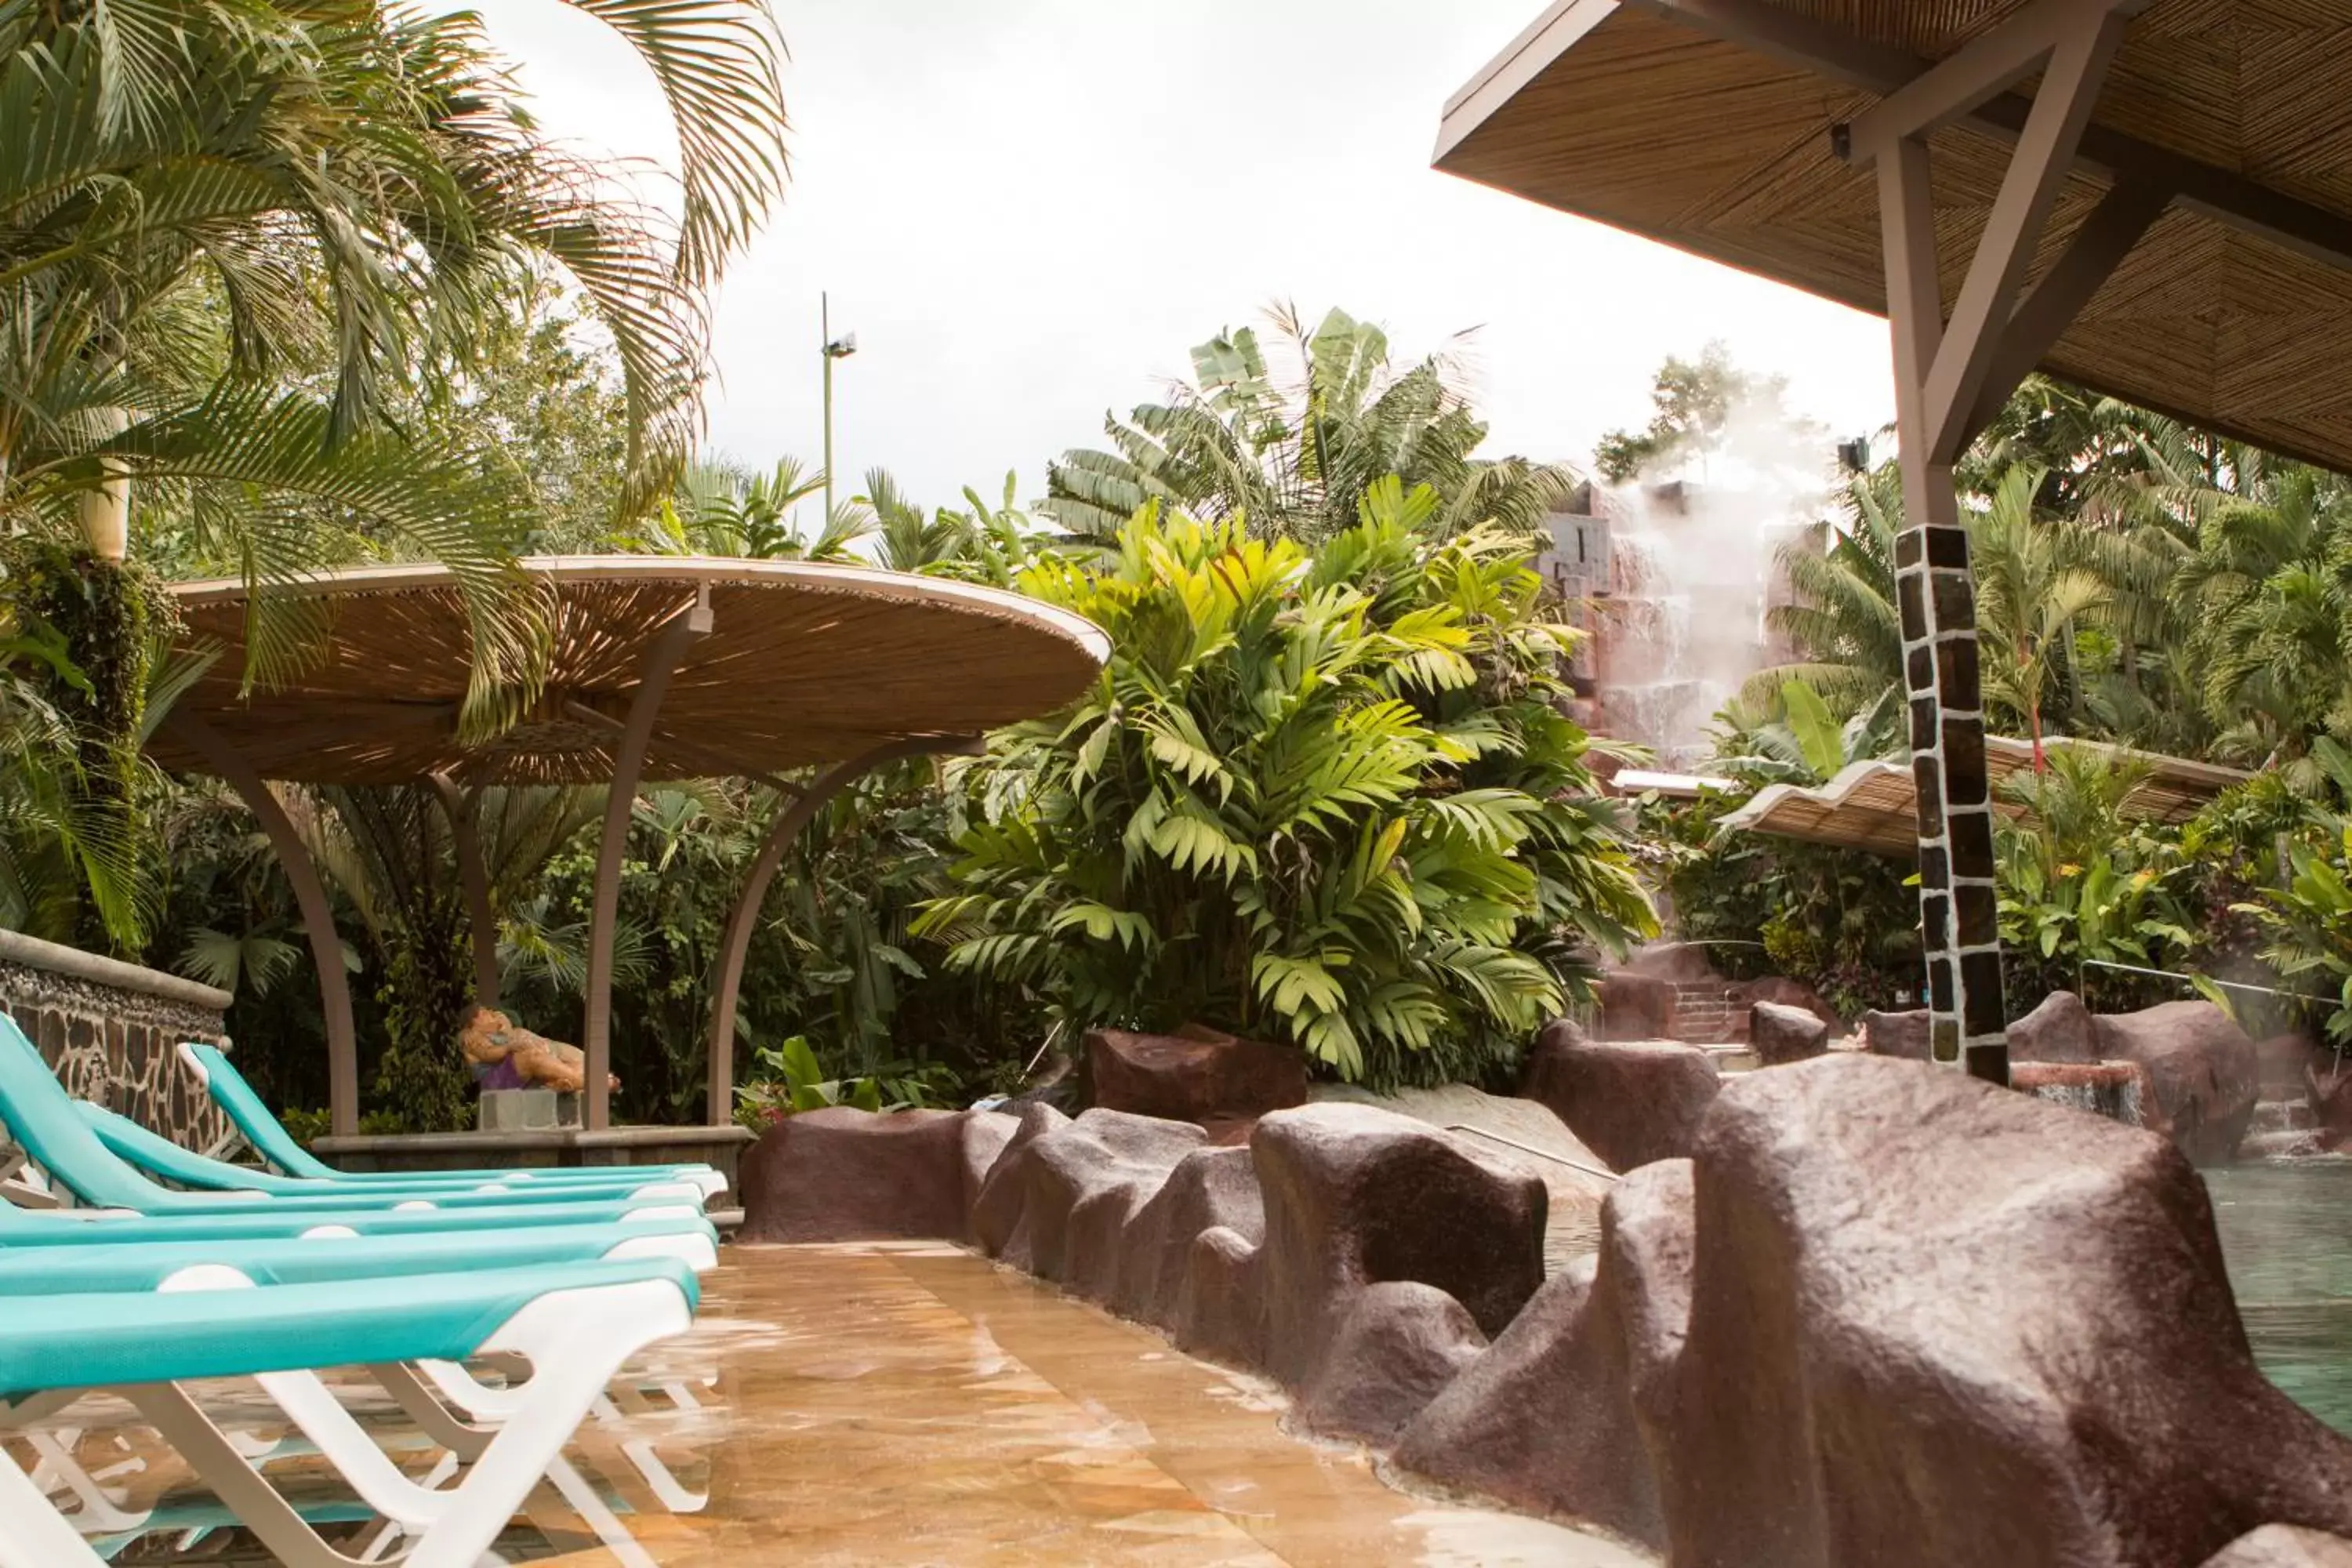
1295	452
80	659
1326	798
422	1081
1694	405
1843	921
787	1079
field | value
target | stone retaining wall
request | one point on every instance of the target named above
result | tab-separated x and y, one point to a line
108	1029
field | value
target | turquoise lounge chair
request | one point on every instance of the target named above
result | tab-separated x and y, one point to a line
107	1266
575	1325
44	1121
162	1158
47	1229
265	1136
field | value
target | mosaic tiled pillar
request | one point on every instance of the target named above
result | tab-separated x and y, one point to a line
1958	915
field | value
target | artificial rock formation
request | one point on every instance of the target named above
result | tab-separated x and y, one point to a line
1358	1196
1786	993
2202	1068
1560	1416
1391	1253
998	1209
1934	1322
1779	1033
1631	1102
1629	1006
1083	1183
2060	1030
1903	1036
2116	1091
1209	1189
844	1174
2284	1546
1212	1079
1394	1347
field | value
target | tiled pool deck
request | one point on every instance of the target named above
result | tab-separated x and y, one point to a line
914	1405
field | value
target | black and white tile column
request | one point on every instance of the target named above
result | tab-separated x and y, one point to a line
1958	920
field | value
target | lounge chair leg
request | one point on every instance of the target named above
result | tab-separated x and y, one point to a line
32	1535
98	1511
432	1417
236	1483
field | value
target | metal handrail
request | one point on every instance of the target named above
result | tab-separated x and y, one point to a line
1531	1149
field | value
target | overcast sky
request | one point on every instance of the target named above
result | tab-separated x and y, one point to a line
1028	210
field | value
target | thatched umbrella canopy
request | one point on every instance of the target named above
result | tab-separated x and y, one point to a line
803	664
654	667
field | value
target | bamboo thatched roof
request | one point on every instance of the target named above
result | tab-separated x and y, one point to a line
802	664
1707	124
1874	805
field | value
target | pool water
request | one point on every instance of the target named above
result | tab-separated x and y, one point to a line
2286	1233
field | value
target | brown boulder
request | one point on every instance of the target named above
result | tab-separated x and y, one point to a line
1780	1035
1557	1417
2284	1546
1199	1077
1210	1188
1084	1183
2283	1061
2116	1091
1396	1346
1356	1196
1787	993
2059	1030
845	1174
1629	1006
2202	1066
1934	1322
1220	1309
997	1210
2329	1093
1904	1036
1631	1102
985	1135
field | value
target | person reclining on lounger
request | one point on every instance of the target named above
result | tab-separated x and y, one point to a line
506	1056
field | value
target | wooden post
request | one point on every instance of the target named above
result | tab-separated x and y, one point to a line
1946	380
311	896
727	985
463	808
653	671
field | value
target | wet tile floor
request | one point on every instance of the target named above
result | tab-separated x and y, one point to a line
913	1405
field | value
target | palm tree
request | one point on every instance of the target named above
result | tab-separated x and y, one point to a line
1296	456
204	200
1843	620
718	509
2032	594
2267	594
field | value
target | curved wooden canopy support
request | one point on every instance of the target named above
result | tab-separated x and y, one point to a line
463	808
789	824
311	896
653	671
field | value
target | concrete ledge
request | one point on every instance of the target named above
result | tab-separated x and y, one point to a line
549	1148
32	952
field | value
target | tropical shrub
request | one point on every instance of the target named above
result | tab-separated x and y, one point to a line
1843	921
1330	798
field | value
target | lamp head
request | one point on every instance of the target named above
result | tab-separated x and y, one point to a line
842	347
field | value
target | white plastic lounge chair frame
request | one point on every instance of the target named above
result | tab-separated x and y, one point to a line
575	1341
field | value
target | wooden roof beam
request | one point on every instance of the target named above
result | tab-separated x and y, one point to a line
1838	55
1985	68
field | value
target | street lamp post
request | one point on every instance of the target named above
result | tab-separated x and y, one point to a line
835	348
